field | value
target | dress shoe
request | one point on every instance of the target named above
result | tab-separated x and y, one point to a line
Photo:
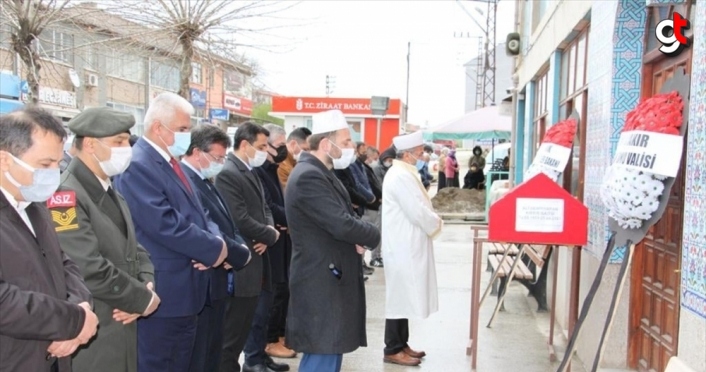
402	359
256	368
365	278
414	354
278	350
367	270
274	366
377	262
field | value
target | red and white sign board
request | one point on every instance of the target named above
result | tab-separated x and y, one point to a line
538	211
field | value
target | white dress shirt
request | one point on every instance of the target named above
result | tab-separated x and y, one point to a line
164	154
20	207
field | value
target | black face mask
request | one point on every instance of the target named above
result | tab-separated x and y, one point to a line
281	154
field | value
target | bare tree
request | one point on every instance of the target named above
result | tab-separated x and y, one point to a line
27	19
211	29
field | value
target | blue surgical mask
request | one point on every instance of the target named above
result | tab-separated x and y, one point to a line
213	169
420	164
44	182
182	140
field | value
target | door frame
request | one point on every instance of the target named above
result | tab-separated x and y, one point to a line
651	62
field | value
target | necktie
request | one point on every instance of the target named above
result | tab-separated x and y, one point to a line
112	209
180	173
209	184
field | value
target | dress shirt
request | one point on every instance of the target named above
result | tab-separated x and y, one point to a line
20	207
242	161
193	169
164	154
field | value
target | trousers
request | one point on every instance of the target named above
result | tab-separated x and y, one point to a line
321	363
374	217
396	335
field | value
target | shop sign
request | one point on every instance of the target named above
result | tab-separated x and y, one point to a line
50	96
9	85
237	104
198	98
219	114
359	106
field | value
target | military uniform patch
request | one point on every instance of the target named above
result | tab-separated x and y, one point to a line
63	210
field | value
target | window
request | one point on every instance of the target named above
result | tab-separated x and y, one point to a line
57	45
233	81
196	72
574	96
541	108
124	66
165	75
5	35
138	112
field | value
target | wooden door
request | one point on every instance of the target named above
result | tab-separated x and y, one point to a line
655	277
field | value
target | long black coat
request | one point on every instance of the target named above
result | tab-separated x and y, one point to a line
326	314
280	252
40	288
242	191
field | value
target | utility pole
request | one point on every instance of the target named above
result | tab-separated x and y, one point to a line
480	74
406	99
490	50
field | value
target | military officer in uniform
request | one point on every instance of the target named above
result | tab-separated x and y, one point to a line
97	233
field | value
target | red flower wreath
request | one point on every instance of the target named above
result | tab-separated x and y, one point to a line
662	113
561	133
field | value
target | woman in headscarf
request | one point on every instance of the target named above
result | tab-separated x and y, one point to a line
441	167
451	169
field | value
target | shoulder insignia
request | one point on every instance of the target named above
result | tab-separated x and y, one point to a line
62	206
64	219
62	199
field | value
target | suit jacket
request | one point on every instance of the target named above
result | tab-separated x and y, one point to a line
375	186
238	251
346	178
281	251
172	225
326	312
101	241
40	288
245	199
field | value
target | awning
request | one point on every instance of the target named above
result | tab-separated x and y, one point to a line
9	105
62	112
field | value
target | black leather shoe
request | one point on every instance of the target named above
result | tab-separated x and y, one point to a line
256	368
377	262
368	270
274	366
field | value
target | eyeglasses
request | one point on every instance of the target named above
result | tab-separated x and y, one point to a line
219	159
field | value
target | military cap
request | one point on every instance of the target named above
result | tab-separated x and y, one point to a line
99	122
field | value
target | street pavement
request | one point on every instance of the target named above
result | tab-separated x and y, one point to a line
516	342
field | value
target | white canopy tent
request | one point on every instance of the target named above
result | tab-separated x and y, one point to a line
484	123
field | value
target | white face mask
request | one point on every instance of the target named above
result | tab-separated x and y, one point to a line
44	182
213	168
375	163
347	158
259	159
119	160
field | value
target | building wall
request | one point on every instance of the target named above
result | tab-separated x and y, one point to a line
504	65
559	20
692	320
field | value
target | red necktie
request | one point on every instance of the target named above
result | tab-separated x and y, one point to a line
180	173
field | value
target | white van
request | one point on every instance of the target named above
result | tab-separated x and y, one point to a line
498	152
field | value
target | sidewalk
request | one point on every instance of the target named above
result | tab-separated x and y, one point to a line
517	341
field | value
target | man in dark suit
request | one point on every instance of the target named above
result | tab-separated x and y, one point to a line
45	311
203	161
172	224
327	304
247	313
101	239
281	252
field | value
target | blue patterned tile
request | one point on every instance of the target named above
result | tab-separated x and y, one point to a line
693	279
